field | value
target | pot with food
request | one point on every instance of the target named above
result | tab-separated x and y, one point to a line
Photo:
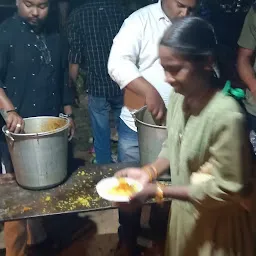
39	154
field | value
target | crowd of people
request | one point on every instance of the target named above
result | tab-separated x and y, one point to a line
167	57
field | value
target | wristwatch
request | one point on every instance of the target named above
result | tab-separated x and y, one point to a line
70	116
67	115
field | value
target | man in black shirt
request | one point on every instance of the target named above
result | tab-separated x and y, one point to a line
31	84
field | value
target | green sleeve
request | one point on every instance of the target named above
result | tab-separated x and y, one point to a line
247	38
230	159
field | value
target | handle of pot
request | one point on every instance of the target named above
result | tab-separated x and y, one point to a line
8	134
137	111
61	115
157	122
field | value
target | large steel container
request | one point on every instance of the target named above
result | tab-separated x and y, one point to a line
151	137
39	155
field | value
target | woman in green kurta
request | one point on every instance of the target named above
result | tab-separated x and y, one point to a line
207	150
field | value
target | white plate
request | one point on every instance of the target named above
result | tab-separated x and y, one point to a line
105	185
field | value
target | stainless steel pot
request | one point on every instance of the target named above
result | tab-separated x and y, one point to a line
151	137
39	156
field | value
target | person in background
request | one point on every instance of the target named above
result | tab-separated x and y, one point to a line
134	64
139	72
91	29
246	64
31	84
207	151
227	18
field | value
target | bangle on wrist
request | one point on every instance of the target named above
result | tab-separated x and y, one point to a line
151	171
154	171
159	194
147	170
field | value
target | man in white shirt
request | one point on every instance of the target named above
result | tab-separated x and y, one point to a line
134	65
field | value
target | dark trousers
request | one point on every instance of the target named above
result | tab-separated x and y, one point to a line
5	157
129	228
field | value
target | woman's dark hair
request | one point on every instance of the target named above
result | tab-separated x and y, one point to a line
195	39
192	37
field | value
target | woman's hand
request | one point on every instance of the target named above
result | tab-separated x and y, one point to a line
14	122
138	199
136	174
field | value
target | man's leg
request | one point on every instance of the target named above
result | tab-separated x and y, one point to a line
99	114
36	233
15	237
128	145
5	157
116	104
19	234
15	232
128	151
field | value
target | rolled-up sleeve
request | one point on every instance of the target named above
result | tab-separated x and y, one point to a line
75	38
247	38
124	54
230	161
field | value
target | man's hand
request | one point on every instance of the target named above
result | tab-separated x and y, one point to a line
14	122
155	103
153	99
72	129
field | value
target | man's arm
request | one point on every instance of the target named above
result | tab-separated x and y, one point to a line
13	121
123	64
73	72
247	43
68	99
245	68
76	44
75	39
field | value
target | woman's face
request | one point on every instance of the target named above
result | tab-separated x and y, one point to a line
186	77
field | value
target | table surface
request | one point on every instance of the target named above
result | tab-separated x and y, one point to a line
77	194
